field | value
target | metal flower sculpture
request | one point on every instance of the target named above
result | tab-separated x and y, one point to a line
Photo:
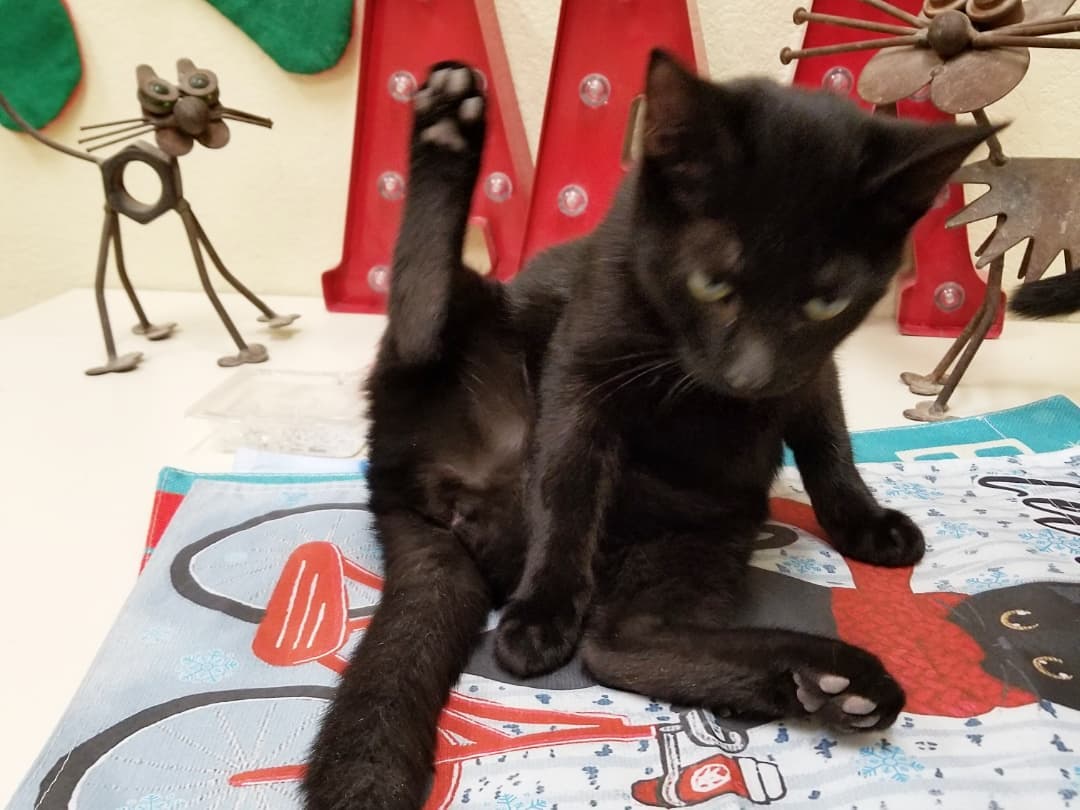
970	54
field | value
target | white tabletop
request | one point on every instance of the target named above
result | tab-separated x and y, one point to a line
81	454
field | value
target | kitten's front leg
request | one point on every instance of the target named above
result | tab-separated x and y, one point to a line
857	525
569	483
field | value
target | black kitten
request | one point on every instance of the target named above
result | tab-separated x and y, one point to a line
618	411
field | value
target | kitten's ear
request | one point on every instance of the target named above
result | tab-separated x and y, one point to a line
671	95
909	164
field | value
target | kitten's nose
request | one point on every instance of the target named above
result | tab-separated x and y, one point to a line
751	368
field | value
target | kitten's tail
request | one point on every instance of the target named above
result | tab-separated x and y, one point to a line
1059	295
376	746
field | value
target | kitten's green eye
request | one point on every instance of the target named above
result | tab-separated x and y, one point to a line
822	309
705	288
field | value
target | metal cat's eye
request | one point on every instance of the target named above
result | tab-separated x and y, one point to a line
822	309
706	288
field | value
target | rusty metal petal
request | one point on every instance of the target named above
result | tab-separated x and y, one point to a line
216	135
173	141
1036	198
975	79
896	73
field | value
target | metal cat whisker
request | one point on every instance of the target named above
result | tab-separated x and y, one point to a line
178	116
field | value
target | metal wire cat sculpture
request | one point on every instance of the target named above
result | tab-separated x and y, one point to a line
178	115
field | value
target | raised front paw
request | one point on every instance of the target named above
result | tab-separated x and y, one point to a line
449	110
887	538
536	636
854	693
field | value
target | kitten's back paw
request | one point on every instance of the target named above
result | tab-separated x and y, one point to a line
855	693
450	110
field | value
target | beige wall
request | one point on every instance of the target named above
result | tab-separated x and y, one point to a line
273	202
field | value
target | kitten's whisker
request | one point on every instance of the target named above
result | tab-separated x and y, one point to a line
671	394
685	385
618	376
655	354
608	381
652	368
691	385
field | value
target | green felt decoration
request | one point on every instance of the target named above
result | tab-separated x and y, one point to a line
39	59
302	36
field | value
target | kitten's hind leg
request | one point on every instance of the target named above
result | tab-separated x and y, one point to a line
444	160
376	746
665	635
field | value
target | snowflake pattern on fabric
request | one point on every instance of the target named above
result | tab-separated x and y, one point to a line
508	801
1047	540
909	489
804	565
213	666
154	802
957	529
887	761
977	516
994	577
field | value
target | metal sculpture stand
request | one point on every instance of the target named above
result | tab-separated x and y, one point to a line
943	382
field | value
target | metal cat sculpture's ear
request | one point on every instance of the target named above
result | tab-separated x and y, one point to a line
156	95
198	82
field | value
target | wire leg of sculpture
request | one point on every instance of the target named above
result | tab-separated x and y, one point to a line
932	383
247	353
268	315
970	340
110	231
144	327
